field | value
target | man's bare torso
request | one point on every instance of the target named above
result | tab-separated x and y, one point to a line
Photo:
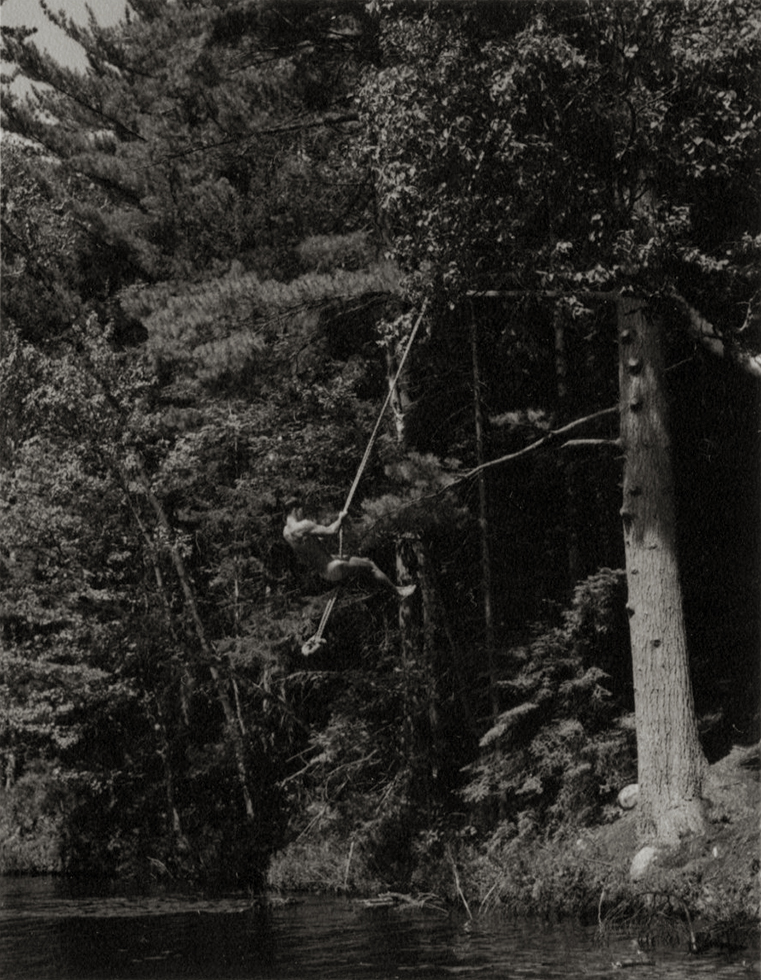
306	539
307	546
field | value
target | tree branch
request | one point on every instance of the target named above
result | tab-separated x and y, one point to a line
545	441
704	331
331	119
599	295
118	125
581	443
699	327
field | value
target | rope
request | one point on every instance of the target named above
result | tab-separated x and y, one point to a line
316	641
376	430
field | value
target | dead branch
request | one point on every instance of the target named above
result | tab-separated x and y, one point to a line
550	439
581	443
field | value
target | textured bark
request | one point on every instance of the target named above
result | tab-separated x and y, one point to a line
670	759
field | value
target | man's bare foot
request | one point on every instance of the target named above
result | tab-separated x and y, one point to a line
405	590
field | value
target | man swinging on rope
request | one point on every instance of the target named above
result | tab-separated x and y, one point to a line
306	539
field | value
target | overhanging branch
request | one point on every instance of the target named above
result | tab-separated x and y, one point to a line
550	439
705	332
700	328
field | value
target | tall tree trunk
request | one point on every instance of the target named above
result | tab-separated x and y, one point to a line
416	617
568	468
400	404
670	759
417	626
235	733
462	685
483	522
165	754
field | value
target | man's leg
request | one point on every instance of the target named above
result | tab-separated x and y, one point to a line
341	569
364	566
337	570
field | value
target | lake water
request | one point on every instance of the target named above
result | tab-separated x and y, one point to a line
51	929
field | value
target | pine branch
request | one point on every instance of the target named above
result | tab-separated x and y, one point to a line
96	41
111	185
53	78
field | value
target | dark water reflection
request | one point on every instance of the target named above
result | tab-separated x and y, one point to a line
49	931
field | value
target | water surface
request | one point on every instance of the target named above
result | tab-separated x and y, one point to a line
53	930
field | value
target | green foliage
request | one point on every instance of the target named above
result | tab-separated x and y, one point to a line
325	863
562	876
363	783
237	330
590	147
564	748
40	244
196	140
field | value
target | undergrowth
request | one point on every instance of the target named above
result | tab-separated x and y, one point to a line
329	864
540	832
32	812
563	746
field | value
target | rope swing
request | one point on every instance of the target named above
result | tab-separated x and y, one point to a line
316	641
386	403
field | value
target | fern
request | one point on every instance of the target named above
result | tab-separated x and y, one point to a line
563	745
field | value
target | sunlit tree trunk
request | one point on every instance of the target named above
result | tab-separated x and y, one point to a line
670	759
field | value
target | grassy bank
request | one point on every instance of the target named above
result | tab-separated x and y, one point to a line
702	891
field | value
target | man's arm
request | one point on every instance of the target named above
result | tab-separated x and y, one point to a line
322	530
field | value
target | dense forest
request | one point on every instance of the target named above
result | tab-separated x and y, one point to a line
218	243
